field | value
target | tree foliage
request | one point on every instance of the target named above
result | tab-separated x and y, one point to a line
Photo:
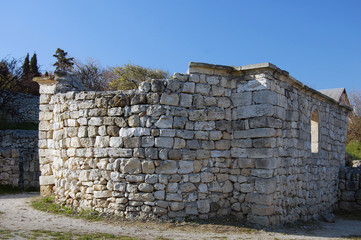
30	69
93	75
354	123
10	75
63	63
129	76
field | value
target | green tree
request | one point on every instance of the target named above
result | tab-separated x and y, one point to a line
129	76
63	63
26	68
30	69
34	68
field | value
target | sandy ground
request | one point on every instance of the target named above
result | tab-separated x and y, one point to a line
16	214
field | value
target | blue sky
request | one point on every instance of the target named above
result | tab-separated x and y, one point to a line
318	42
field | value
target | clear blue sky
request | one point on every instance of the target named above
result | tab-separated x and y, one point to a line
318	42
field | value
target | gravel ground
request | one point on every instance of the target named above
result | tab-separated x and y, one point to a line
16	215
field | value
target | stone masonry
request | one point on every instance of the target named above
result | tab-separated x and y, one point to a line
216	141
350	187
19	162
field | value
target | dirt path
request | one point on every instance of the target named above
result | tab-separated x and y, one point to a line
16	214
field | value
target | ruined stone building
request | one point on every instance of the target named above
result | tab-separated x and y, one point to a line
247	141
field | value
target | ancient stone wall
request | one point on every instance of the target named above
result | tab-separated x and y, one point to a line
27	109
216	141
350	187
19	163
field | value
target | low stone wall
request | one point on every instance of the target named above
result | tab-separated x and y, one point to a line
19	162
27	107
350	187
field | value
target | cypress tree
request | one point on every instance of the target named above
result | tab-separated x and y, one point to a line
26	68
34	69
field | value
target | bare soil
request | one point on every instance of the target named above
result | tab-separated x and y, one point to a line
16	214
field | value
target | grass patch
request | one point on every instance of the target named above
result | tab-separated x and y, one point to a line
47	204
354	149
356	237
8	189
21	125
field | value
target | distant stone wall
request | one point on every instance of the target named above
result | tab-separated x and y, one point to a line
216	141
350	187
19	162
27	107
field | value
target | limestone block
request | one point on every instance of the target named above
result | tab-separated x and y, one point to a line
177	206
227	187
151	178
102	194
173	84
131	142
47	180
148	166
210	125
247	187
207	177
203	206
167	132
265	96
147	141
241	99
159	211
257	198
134	121
236	207
159	195
164	142
270	163
221	154
255	133
145	187
131	166
174	154
173	197
185	167
186	100
167	167
266	186
169	99
262	173
116	142
47	89
239	152
252	111
262	210
164	122
215	114
217	91
141	197
95	121
198	115
144	87
102	141
223	102
188	87
253	85
260	153
172	187
203	89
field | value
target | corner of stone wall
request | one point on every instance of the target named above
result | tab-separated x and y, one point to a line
49	86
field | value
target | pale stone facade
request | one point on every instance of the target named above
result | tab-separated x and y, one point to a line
216	141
